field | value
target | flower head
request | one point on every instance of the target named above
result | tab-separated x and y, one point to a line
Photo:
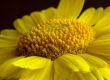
58	44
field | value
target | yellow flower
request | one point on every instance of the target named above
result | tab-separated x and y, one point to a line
58	44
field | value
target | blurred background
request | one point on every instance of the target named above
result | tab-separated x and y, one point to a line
12	9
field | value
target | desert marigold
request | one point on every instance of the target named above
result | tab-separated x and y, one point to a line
58	44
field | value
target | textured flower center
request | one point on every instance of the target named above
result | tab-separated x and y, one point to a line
55	38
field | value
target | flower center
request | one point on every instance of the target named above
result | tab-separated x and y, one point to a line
55	38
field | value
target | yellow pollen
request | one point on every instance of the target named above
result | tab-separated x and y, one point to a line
55	38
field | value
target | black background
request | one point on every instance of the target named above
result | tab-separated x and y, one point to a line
12	9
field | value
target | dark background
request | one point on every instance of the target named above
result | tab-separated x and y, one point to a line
12	9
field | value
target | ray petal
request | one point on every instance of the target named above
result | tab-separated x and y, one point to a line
39	74
87	15
69	9
32	62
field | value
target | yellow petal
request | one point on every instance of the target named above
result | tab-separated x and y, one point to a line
24	74
6	43
69	8
32	62
21	24
98	74
75	76
95	61
104	21
38	17
105	73
7	53
101	46
106	58
9	34
62	68
69	63
8	38
44	15
7	70
56	77
89	76
106	10
28	22
63	61
98	15
49	13
103	31
86	76
47	73
78	61
87	15
39	74
73	66
79	76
